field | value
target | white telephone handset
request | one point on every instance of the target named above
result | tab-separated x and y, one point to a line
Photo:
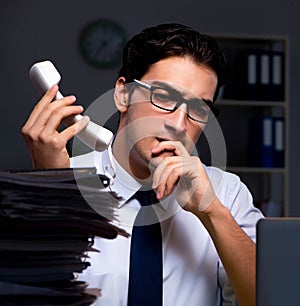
44	75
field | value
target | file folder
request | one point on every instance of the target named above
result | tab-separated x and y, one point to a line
46	229
256	75
260	141
278	140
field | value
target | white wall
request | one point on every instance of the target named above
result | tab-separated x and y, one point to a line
34	30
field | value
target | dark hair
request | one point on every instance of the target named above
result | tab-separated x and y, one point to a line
167	40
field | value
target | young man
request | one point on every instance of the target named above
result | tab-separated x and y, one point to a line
165	91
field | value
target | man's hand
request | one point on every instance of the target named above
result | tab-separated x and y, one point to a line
175	169
46	145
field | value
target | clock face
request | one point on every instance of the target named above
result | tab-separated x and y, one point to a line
102	42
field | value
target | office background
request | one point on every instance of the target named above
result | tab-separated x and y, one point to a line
35	30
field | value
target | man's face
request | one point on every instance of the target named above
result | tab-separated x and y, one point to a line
143	126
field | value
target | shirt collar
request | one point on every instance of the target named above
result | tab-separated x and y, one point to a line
123	184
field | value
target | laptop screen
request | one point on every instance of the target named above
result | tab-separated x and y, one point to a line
278	262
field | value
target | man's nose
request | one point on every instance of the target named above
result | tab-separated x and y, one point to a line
177	120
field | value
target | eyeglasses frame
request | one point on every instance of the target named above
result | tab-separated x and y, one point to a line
151	88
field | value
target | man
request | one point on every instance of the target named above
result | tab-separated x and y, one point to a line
170	77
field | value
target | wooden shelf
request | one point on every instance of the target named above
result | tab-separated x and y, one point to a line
255	170
264	183
248	103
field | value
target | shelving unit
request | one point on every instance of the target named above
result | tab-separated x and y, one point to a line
268	185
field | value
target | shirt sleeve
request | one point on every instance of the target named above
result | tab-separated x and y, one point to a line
235	195
240	204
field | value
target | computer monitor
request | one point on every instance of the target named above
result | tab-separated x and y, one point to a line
278	262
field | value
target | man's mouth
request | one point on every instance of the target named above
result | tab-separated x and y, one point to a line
165	152
159	139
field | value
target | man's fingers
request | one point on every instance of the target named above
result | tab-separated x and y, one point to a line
166	176
40	106
176	146
71	131
155	162
56	119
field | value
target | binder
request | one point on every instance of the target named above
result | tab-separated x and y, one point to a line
271	86
278	141
260	141
256	75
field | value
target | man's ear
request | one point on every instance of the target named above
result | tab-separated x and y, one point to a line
121	96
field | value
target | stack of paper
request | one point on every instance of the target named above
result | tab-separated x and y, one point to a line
46	228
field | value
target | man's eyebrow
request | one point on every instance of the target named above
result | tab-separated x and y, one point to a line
165	86
173	90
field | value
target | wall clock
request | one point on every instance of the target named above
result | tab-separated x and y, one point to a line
102	42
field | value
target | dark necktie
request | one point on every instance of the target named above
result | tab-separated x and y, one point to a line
145	269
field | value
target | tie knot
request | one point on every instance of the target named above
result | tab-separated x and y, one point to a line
146	197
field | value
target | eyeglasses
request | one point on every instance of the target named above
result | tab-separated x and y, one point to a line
169	99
